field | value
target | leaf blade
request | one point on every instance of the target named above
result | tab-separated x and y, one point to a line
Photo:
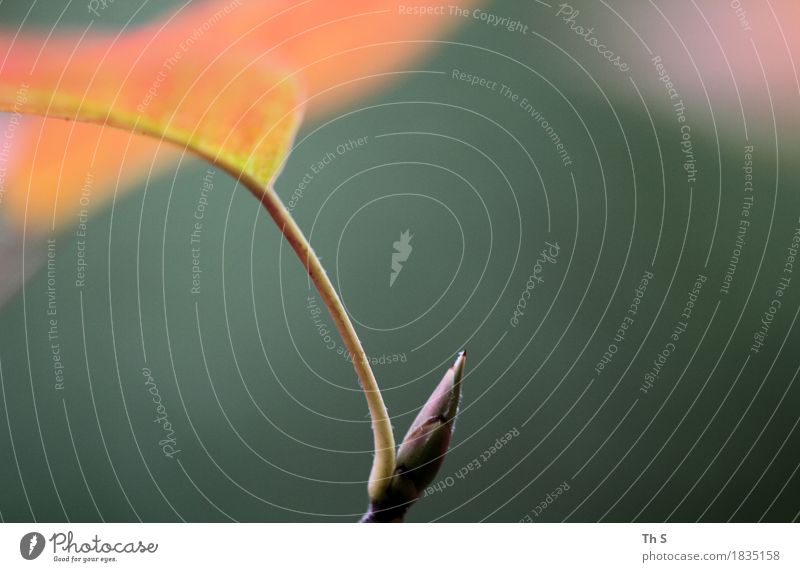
231	108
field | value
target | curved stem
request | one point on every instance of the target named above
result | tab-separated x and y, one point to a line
383	463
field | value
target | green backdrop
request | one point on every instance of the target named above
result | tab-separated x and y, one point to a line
266	415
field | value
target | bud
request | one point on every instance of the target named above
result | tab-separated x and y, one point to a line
422	451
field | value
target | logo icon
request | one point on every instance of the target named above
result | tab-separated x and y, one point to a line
403	250
31	545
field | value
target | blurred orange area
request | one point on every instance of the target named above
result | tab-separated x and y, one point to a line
337	51
53	165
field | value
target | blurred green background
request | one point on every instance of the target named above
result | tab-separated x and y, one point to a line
269	420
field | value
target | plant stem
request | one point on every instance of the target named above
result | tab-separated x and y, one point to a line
383	463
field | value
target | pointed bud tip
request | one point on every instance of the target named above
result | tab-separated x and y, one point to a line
458	366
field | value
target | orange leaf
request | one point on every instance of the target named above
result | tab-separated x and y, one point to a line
337	49
229	107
